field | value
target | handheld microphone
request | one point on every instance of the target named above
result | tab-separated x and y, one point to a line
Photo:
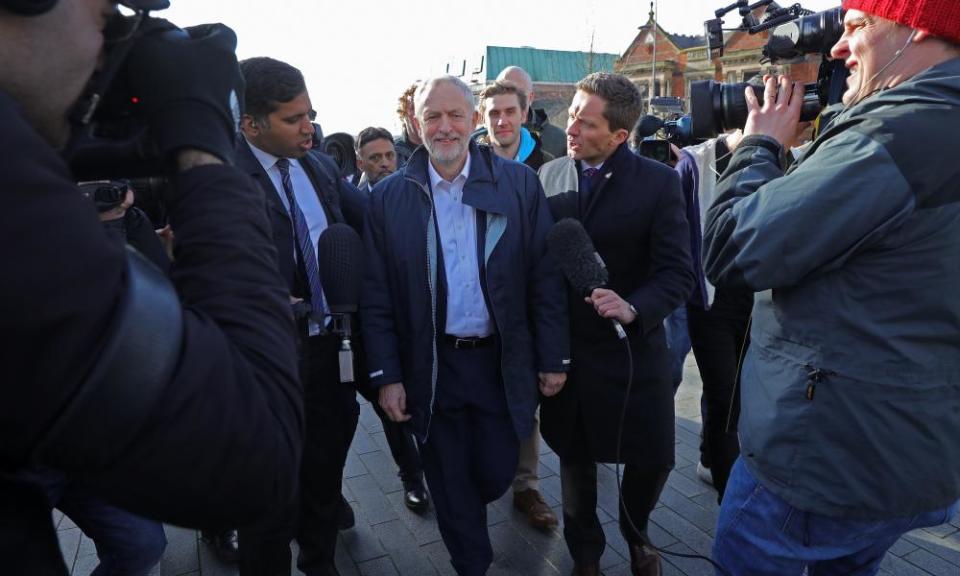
579	261
340	253
647	125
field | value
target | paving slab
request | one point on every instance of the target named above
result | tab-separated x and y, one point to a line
390	540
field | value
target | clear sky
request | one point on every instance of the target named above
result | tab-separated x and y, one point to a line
359	55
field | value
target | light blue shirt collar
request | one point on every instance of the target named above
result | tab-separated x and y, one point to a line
584	165
266	159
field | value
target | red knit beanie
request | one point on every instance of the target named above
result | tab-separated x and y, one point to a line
938	17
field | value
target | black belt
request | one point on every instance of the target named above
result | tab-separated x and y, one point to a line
467	342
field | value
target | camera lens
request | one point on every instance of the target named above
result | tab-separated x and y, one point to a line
716	107
109	194
106	194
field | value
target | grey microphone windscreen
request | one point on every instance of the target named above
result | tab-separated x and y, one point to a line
340	253
573	251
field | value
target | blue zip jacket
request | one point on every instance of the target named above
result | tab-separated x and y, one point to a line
525	290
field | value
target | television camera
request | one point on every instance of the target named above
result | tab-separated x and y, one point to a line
717	107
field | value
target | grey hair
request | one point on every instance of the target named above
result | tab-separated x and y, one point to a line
427	85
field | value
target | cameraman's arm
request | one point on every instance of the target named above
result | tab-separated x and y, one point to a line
223	443
766	230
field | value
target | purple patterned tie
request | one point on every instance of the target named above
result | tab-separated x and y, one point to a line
588	174
302	234
586	181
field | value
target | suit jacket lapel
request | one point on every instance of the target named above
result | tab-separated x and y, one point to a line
325	186
603	179
247	162
597	190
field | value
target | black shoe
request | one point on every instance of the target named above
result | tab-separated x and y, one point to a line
345	517
415	496
224	544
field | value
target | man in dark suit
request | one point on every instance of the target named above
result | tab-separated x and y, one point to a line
303	195
634	213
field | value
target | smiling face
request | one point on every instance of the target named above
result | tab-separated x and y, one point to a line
869	48
287	131
445	121
589	137
503	119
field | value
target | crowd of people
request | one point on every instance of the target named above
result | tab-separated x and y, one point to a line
195	376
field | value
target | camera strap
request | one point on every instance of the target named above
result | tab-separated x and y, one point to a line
133	367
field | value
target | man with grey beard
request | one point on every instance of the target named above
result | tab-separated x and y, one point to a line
458	351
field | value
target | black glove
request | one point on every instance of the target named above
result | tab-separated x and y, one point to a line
189	84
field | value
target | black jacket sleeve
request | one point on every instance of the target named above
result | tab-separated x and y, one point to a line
222	444
670	277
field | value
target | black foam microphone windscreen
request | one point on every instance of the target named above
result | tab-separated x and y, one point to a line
340	253
579	261
648	126
571	247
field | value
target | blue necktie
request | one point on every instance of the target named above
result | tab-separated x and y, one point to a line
302	233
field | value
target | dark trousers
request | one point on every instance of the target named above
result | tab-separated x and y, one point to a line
330	416
719	337
470	454
581	528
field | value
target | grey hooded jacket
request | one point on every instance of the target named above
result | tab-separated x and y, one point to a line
851	388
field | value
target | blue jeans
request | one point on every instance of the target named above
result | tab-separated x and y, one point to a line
127	544
678	342
759	534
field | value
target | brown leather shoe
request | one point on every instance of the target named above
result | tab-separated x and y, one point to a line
531	503
585	570
644	560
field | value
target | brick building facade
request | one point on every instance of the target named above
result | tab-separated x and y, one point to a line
681	60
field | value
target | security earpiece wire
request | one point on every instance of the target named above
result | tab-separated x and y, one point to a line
623	509
896	56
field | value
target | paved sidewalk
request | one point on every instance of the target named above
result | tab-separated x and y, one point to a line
389	540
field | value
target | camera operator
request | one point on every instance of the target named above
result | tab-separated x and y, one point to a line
850	388
108	378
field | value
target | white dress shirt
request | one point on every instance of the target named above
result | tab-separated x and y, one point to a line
467	313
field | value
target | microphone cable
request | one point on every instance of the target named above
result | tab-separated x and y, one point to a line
623	509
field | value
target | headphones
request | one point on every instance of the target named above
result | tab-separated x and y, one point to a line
27	7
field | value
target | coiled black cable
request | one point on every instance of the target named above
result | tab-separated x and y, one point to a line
623	509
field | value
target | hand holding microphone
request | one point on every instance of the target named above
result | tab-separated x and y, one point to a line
584	269
609	304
